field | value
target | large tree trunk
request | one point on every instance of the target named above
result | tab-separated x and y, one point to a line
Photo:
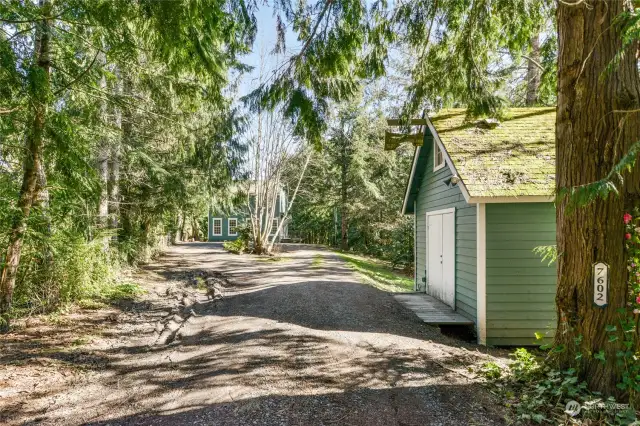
344	241
533	72
114	164
179	226
123	161
286	215
591	137
114	187
103	158
33	162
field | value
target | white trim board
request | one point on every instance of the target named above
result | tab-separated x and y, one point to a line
443	211
451	211
416	154
213	225
481	273
235	234
415	246
447	160
514	199
437	167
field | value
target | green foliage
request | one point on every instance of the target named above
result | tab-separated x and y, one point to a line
328	66
142	87
491	371
586	194
628	357
462	52
547	253
536	392
379	273
241	244
61	269
122	291
353	176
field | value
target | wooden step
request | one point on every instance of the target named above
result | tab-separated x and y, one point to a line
431	310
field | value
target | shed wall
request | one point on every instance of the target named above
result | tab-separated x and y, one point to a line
434	195
520	288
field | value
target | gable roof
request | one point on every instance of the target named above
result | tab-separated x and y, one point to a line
513	162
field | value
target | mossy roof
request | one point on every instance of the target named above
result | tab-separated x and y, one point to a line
516	158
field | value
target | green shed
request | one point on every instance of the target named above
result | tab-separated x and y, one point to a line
481	192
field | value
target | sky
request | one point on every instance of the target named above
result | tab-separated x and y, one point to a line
265	42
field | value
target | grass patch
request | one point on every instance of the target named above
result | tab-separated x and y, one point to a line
123	291
91	304
317	261
378	273
111	294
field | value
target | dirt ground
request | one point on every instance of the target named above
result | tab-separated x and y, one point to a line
301	341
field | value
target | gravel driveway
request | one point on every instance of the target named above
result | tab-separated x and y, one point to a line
301	341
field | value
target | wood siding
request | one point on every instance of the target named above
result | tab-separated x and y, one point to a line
225	227
520	288
241	213
435	195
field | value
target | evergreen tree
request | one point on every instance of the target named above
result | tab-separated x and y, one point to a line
597	133
112	108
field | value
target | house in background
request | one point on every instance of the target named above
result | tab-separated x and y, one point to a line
223	224
481	193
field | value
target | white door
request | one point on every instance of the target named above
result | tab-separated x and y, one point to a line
441	256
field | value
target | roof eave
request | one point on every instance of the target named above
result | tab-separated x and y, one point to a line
513	199
407	191
448	161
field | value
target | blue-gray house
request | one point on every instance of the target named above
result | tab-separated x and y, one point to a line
223	225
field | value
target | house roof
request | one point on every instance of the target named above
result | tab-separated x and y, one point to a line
513	161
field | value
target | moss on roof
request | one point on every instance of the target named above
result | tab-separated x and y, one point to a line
516	158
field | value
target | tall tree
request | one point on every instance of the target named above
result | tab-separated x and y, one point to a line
351	141
597	124
39	76
172	129
350	195
271	147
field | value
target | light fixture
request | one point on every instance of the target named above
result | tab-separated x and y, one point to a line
452	181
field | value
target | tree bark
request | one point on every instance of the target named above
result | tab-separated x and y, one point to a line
533	72
195	233
33	162
344	174
114	163
103	157
183	221
590	139
284	218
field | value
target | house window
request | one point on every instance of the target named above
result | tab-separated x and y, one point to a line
233	225
217	226
438	157
274	226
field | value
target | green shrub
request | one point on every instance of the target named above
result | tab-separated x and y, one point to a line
491	371
61	269
537	392
241	244
122	291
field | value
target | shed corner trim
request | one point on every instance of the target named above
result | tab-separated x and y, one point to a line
481	272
